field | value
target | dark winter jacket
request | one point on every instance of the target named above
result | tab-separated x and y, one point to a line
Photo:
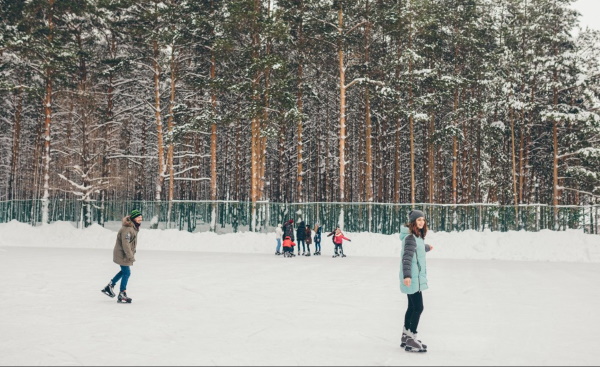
301	232
413	264
125	248
288	230
318	235
332	234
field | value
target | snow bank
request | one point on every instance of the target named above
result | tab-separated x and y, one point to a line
546	245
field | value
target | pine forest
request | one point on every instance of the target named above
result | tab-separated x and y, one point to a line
299	101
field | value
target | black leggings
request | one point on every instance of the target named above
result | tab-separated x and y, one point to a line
414	311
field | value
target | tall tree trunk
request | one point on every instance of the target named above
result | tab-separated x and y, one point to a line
431	159
342	137
300	107
159	124
397	137
555	188
213	129
170	126
160	179
16	140
368	128
411	118
256	118
511	114
49	75
455	153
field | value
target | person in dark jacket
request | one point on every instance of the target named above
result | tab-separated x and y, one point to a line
124	255
413	277
288	229
317	239
301	237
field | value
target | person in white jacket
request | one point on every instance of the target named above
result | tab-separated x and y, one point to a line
278	238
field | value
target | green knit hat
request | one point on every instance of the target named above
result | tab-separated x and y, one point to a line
134	214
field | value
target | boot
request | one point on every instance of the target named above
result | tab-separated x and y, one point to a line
123	297
109	290
405	336
413	344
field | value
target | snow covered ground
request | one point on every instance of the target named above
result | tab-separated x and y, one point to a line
204	299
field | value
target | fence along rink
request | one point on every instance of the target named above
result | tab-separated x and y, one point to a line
234	216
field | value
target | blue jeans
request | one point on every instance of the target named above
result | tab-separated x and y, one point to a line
278	245
317	246
123	275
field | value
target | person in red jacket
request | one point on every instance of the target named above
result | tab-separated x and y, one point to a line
288	247
338	239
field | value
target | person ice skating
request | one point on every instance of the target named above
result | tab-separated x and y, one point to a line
338	240
288	229
308	239
124	255
301	237
332	235
317	239
288	247
413	277
278	238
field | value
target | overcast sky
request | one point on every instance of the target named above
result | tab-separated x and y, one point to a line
590	10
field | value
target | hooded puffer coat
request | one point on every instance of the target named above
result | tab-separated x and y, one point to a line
125	248
412	262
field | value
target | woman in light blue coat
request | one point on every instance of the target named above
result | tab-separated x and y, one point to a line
413	277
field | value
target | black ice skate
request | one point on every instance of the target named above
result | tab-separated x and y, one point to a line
123	298
109	290
405	338
413	344
336	255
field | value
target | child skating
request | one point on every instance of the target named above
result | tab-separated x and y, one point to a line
338	240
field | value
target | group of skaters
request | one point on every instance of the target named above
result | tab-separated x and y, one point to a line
284	235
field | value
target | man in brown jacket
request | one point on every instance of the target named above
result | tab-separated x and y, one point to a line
124	254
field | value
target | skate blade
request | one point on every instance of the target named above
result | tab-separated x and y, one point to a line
409	349
108	294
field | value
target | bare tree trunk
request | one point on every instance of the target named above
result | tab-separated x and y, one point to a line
159	124
213	132
256	122
48	120
369	127
170	125
160	179
300	107
431	160
342	137
16	140
411	118
455	154
514	161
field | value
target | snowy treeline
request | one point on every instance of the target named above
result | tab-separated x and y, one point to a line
440	101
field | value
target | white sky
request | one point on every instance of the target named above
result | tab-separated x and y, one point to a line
516	298
590	11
